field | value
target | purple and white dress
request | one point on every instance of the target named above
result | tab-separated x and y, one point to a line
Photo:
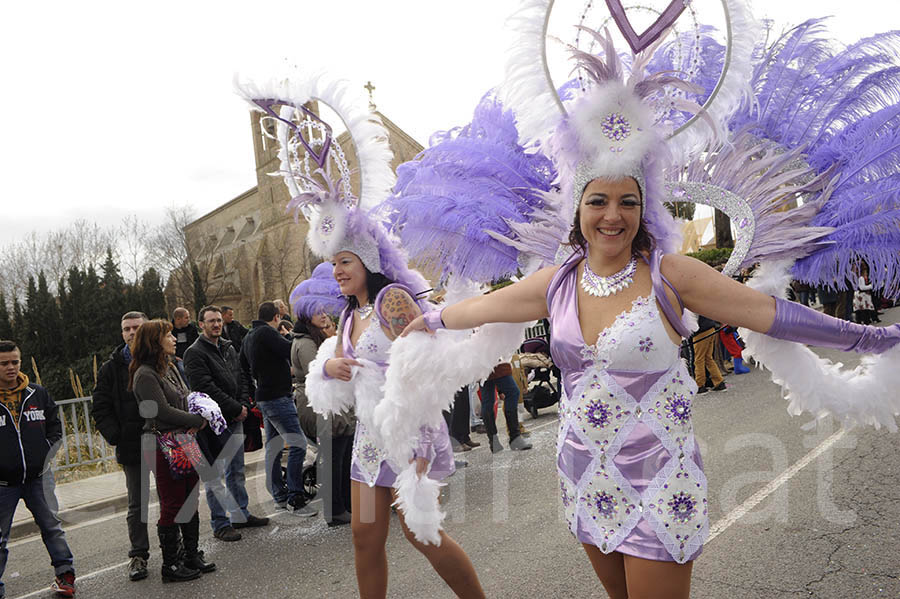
369	463
631	476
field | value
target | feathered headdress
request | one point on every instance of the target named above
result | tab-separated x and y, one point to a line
318	294
309	155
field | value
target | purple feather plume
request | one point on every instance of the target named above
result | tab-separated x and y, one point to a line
317	294
841	108
471	184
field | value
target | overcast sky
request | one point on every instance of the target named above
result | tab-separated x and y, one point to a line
114	108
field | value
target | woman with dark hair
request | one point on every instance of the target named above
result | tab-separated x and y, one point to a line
377	312
162	399
631	478
312	302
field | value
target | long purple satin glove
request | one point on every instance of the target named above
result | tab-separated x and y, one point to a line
799	323
433	320
425	447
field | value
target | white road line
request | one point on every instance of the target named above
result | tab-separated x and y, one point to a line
125	563
67	528
755	499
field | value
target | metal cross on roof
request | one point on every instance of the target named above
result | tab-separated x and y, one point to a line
370	88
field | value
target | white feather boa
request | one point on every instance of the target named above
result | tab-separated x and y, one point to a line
417	498
327	396
333	396
426	371
865	395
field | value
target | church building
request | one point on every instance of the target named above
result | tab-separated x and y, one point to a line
254	249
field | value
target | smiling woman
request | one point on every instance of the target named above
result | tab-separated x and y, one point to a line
618	297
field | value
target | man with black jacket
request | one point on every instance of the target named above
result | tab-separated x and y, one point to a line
185	332
265	360
115	412
232	330
29	435
212	366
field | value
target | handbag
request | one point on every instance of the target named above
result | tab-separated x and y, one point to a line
253	430
181	452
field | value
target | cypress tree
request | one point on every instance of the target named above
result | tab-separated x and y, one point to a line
30	314
18	322
199	289
6	327
152	296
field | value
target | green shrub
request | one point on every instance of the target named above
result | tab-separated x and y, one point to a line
713	256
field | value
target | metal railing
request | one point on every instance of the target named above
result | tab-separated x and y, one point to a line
82	444
536	330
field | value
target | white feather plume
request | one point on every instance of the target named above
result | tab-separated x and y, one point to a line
604	156
417	498
426	371
865	395
525	88
735	87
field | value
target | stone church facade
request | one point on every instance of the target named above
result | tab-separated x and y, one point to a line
251	249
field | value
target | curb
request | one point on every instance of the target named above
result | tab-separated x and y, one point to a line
74	515
85	512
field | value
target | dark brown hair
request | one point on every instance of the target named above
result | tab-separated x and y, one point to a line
305	325
202	313
642	242
146	348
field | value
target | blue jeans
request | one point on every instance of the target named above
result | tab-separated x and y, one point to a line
235	498
507	386
40	498
282	427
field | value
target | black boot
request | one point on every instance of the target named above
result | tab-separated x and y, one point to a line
190	534
173	570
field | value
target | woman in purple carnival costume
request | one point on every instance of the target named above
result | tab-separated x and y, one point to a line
366	331
631	477
372	274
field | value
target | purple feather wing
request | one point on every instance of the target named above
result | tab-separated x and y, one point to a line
453	204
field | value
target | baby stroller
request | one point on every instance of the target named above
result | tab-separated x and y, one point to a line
539	368
310	465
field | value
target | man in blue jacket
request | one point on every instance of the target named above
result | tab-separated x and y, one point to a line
265	361
29	434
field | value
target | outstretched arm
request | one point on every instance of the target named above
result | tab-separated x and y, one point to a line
520	302
706	291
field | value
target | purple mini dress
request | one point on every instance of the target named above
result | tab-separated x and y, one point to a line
369	463
631	476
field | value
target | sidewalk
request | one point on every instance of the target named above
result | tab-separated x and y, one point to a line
95	497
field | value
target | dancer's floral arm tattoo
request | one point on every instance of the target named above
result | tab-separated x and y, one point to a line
398	310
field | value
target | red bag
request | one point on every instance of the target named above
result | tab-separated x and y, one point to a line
253	430
181	451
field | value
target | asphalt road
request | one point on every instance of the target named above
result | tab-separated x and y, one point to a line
794	513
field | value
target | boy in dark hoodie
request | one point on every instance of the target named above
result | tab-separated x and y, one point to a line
29	432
